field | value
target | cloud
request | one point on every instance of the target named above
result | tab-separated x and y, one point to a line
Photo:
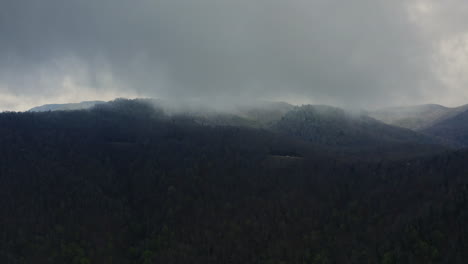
363	53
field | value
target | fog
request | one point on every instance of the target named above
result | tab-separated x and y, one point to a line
359	53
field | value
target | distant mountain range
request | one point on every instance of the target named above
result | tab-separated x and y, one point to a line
65	107
321	125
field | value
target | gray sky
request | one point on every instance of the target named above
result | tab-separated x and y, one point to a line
361	53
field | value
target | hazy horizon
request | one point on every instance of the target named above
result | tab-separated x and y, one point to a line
227	104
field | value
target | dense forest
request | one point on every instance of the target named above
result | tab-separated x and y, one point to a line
127	182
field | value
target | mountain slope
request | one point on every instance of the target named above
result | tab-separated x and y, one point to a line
416	117
334	128
454	129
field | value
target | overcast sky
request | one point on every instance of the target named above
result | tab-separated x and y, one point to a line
361	53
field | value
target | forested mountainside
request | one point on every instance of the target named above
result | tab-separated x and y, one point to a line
351	133
126	183
454	129
446	124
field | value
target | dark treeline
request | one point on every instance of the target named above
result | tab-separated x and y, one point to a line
126	183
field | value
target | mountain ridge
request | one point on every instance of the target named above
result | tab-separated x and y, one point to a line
66	106
417	117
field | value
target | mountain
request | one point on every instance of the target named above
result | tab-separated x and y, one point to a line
325	127
454	129
446	124
416	117
334	128
65	107
126	182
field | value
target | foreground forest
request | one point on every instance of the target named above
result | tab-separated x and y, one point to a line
126	182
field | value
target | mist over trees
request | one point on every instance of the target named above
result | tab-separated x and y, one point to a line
291	131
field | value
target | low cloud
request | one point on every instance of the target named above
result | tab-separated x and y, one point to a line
361	53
